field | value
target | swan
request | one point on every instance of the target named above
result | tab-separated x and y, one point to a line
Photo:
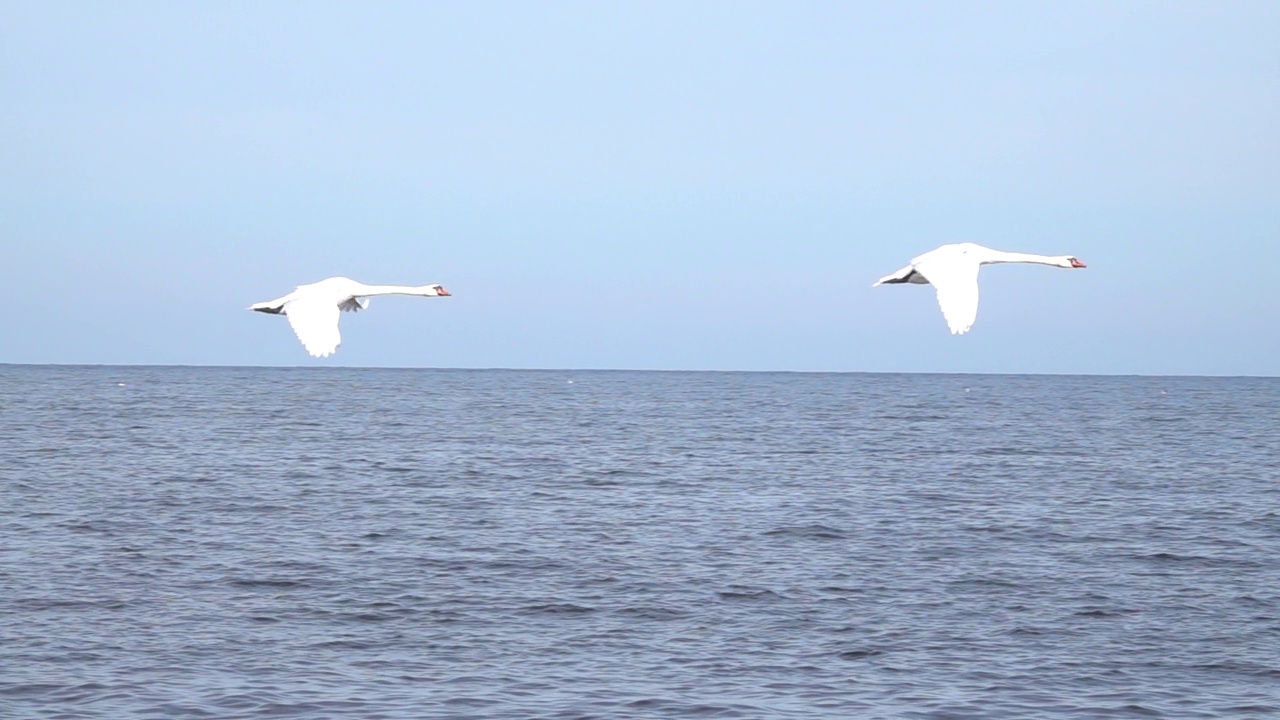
953	272
313	309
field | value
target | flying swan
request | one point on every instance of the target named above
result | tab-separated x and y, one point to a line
313	309
953	272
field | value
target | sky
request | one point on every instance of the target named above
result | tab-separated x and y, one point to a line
643	185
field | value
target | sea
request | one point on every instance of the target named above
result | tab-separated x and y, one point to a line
198	542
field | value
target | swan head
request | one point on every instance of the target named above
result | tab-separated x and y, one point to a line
1072	262
435	291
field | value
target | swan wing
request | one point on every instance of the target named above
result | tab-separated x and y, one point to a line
316	325
354	304
957	287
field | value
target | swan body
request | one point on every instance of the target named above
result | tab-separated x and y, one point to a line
313	310
953	272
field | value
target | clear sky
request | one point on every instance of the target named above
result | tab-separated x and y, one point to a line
667	185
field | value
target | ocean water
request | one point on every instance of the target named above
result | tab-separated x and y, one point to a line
342	543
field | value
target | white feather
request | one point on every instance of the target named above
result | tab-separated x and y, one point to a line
316	325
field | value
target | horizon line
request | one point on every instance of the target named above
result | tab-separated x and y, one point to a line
630	370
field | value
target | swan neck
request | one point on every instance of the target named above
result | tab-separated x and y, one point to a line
999	256
396	290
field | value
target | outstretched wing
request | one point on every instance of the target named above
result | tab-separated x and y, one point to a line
957	286
316	325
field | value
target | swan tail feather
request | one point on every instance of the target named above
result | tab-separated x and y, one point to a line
902	276
273	308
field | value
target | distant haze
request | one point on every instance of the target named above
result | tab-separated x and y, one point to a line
710	185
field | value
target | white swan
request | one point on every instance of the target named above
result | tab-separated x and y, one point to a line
953	272
312	309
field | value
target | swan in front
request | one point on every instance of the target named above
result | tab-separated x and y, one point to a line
313	310
953	272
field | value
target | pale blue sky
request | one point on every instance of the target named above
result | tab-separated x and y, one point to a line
678	185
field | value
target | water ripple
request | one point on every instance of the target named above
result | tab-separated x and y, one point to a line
248	543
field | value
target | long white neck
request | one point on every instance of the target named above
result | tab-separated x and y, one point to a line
999	256
427	290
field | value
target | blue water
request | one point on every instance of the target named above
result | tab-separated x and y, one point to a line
333	543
